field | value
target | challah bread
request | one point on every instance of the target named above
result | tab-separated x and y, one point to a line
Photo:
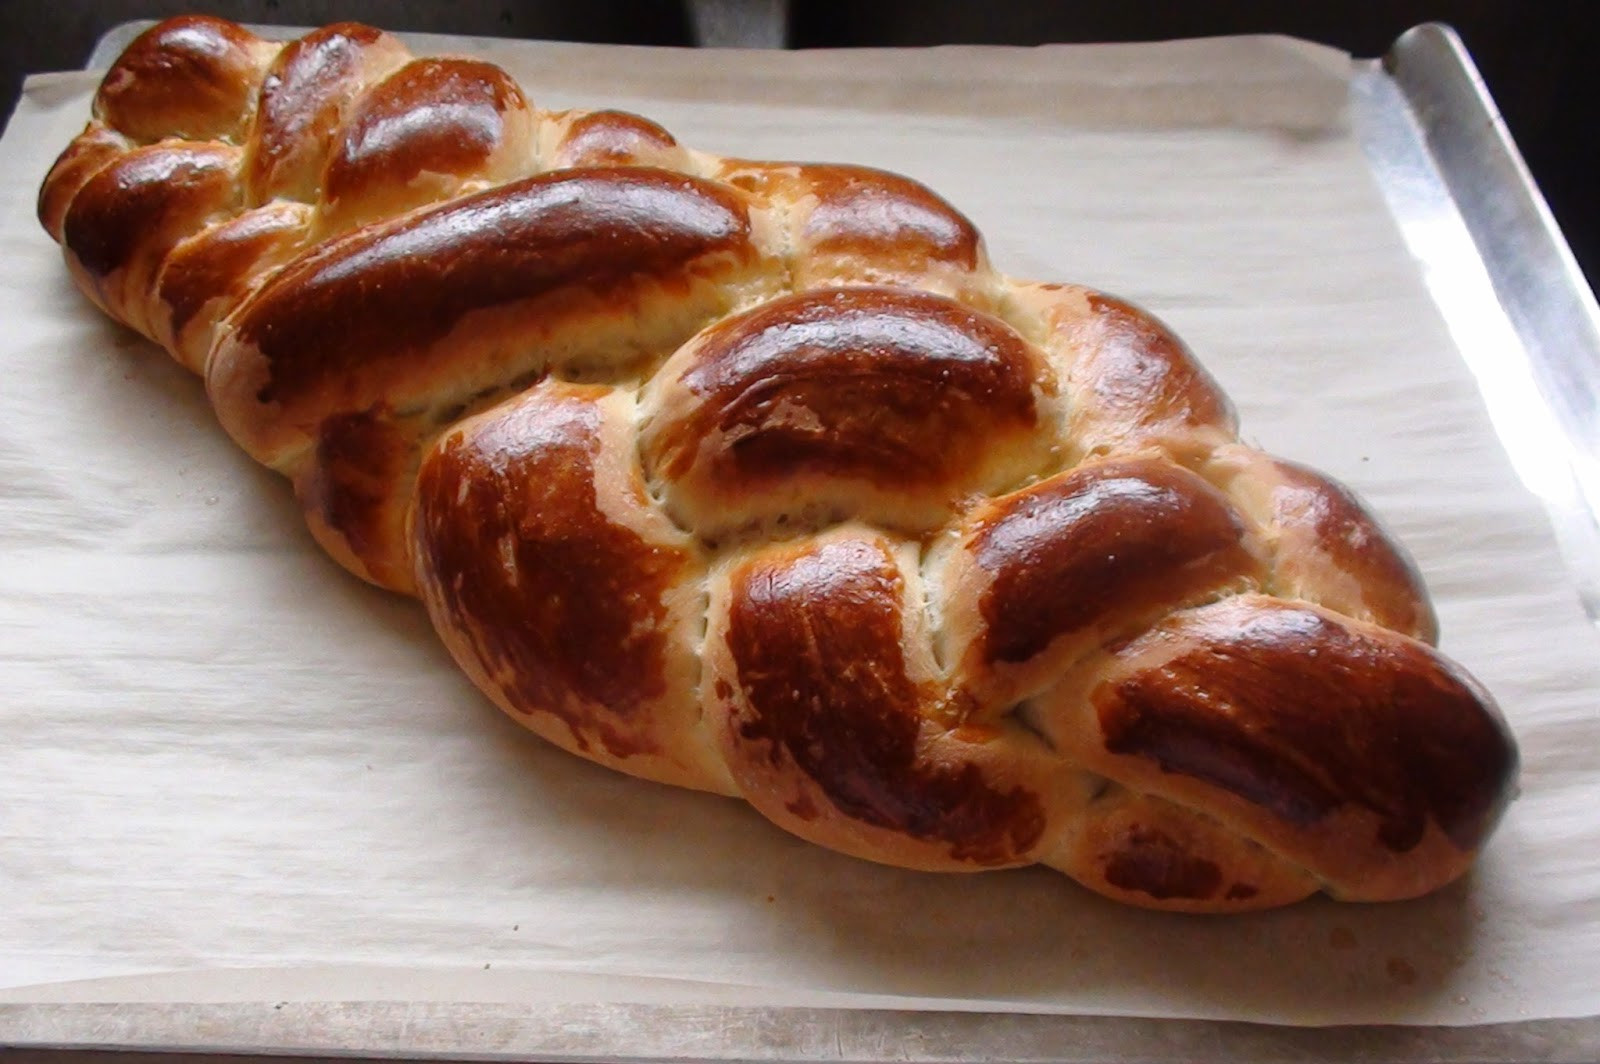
757	478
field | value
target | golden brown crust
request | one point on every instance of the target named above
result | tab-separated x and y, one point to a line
1149	852
207	276
858	225
1346	747
827	725
307	93
420	135
1133	385
409	321
1047	574
559	589
616	138
1328	548
90	151
756	477
356	491
189	78
347	323
878	402
137	208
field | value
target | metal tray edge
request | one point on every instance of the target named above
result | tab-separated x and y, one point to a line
657	1033
1500	271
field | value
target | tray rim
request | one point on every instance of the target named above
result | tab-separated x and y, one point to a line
590	1033
1448	160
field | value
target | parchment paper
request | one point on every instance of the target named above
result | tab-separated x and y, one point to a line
226	761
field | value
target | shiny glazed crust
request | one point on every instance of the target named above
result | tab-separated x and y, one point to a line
757	478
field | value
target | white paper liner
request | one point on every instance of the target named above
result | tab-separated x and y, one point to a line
226	761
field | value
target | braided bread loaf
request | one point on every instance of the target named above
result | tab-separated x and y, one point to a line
756	478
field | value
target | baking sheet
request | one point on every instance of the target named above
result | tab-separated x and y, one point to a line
228	761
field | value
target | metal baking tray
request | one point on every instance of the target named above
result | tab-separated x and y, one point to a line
1508	287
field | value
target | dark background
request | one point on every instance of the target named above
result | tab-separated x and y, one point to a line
1536	56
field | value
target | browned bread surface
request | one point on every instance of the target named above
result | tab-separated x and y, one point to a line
758	478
